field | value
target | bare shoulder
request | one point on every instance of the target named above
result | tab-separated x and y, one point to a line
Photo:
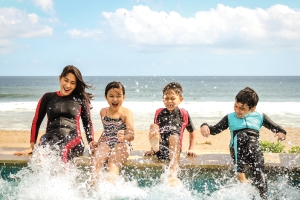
127	116
126	111
103	111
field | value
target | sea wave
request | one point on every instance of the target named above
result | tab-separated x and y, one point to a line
19	115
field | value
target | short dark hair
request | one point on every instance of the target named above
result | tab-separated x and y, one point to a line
247	96
114	84
174	86
80	83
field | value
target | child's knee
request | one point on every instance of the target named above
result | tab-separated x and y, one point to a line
174	139
154	127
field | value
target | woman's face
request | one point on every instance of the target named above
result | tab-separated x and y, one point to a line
67	84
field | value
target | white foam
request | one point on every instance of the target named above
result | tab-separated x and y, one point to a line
47	178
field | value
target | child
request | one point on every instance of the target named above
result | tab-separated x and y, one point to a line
166	133
244	124
113	146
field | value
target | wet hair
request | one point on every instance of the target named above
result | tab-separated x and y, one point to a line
114	84
80	84
173	86
247	96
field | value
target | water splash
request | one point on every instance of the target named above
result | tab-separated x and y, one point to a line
47	177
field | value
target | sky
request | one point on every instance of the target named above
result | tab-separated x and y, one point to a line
150	37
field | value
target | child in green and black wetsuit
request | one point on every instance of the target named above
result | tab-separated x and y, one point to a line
244	124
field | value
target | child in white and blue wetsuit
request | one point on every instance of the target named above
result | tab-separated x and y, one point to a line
244	124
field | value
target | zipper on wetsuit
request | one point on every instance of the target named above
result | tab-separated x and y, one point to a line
246	122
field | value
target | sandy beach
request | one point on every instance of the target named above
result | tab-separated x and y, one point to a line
213	144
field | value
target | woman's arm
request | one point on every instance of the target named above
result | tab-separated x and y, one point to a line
39	115
87	121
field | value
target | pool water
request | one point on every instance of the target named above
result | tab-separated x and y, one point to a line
51	179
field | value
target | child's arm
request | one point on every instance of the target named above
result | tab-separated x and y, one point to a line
191	152
207	130
128	134
191	129
275	128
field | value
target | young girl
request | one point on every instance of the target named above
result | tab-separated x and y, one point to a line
113	146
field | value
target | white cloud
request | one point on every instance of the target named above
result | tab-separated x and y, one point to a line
6	46
222	27
15	23
45	5
75	34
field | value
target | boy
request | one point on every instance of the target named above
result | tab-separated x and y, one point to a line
166	133
244	124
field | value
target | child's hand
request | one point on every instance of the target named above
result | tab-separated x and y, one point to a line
120	135
93	146
281	136
205	131
191	153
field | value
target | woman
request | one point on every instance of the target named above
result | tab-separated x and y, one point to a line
64	109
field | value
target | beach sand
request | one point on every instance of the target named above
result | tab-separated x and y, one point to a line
213	144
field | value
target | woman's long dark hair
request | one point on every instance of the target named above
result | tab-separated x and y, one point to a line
80	84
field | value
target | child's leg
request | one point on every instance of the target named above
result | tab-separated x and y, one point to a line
99	157
174	145
118	156
242	177
154	137
257	168
239	153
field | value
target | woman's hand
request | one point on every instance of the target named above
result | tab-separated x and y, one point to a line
26	151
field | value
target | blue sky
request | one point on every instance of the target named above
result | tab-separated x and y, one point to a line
150	37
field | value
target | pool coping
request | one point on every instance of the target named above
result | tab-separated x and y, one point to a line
136	159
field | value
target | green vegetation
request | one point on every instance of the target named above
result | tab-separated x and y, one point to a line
271	147
295	149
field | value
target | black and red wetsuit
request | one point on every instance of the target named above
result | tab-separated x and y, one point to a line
170	123
63	127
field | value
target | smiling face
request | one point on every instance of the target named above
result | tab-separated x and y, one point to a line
171	100
242	110
67	84
115	98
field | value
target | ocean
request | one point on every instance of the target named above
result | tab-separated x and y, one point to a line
207	98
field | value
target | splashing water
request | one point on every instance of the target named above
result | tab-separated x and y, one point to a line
47	177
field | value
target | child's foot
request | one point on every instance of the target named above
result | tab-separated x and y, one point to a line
154	141
242	178
174	181
111	178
